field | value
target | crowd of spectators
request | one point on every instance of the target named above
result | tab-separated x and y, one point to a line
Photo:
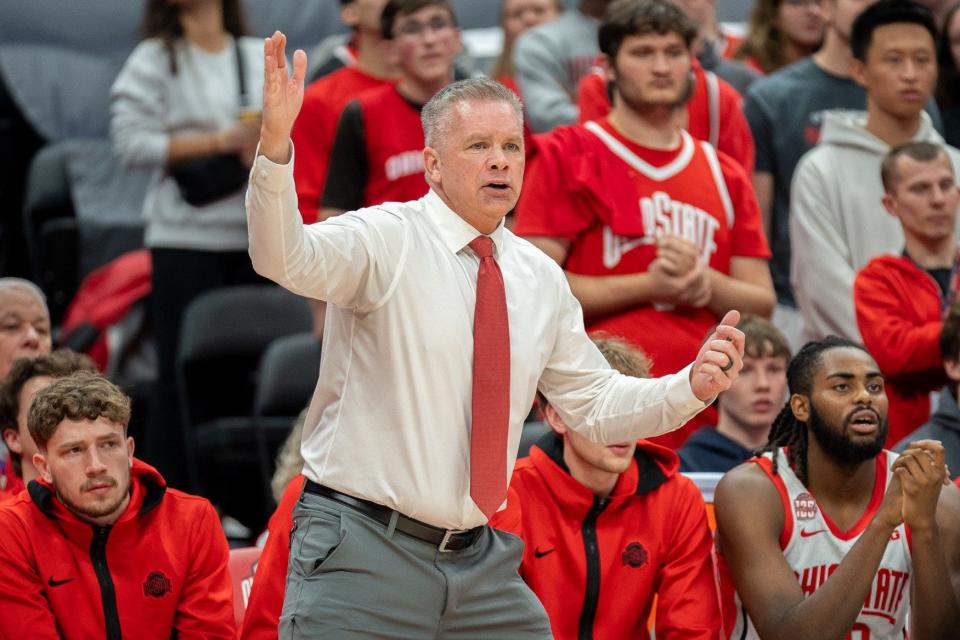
800	169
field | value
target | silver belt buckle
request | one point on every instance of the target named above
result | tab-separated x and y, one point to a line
449	533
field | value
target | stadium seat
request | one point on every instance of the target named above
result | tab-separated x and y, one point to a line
224	334
242	565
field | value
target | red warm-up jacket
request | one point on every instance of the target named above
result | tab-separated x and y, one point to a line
159	571
597	563
262	617
899	317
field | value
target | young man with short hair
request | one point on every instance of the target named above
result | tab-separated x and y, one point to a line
944	424
324	99
27	377
658	233
99	546
827	535
747	409
609	529
900	299
836	226
377	151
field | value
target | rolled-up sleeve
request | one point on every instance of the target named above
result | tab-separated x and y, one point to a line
350	260
602	404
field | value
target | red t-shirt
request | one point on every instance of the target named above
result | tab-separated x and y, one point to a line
714	112
377	154
611	198
315	127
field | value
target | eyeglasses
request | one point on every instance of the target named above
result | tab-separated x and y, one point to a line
414	29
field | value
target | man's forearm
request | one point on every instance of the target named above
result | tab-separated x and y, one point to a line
748	297
934	612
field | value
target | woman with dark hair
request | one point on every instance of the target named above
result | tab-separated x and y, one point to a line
948	82
185	107
781	32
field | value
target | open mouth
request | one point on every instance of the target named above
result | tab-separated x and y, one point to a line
497	186
864	421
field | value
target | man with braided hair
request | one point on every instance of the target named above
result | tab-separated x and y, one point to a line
828	535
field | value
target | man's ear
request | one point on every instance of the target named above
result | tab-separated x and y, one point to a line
11	437
431	165
952	367
391	52
800	406
130	447
606	67
554	420
40	464
349	14
857	72
887	201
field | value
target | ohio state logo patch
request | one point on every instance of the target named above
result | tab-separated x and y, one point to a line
156	585
634	555
804	506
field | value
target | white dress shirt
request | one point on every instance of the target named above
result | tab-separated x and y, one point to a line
390	417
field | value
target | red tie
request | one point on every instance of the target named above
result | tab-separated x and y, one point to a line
491	384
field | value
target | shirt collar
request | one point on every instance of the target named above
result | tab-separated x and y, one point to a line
455	232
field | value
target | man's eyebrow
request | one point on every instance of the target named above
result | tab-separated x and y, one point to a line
846	375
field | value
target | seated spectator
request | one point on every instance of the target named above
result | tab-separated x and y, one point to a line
325	98
659	235
900	299
948	81
836	221
99	546
24	322
27	377
827	535
780	32
516	16
714	111
944	424
377	152
551	59
747	409
609	529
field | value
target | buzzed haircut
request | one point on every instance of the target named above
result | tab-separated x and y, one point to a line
762	339
919	151
79	396
56	364
397	8
625	18
888	12
950	334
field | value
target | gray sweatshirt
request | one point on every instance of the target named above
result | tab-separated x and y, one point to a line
149	105
550	60
837	220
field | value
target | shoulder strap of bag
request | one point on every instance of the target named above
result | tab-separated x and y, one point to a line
241	76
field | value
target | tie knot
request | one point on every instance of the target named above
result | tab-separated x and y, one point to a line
482	246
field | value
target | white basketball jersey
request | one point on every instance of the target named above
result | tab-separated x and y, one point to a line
814	546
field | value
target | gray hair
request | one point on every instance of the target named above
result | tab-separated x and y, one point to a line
24	285
437	113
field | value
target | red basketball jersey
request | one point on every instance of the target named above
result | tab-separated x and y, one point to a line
393	135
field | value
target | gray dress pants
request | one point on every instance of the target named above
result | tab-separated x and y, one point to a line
348	579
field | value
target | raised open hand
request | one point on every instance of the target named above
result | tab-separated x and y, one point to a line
282	97
720	359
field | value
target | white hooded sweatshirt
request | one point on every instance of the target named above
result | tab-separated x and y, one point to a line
838	222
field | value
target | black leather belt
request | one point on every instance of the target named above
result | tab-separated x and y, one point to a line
444	539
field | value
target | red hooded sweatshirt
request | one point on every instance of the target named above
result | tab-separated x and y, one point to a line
597	563
159	571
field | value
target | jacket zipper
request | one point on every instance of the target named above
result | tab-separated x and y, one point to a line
592	593
108	594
